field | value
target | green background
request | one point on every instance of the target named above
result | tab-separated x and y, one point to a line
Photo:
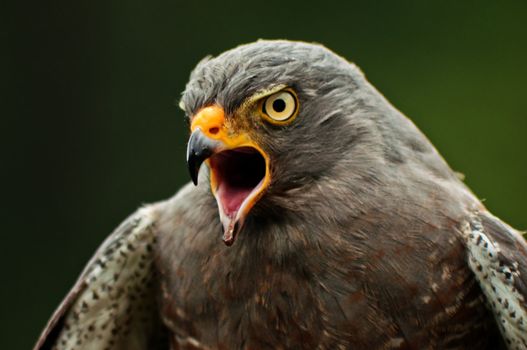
91	131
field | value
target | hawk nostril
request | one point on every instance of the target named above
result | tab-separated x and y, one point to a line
214	130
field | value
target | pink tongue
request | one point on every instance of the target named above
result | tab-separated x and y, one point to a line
232	198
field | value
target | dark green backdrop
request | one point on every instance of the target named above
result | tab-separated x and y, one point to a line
90	129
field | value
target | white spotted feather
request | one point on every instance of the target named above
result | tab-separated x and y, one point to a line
112	306
497	281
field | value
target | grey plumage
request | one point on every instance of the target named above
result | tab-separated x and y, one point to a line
359	241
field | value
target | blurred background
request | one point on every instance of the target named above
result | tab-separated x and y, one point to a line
91	129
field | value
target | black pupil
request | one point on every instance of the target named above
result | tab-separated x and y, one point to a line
279	105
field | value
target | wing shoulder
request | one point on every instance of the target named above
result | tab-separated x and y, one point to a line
497	254
113	303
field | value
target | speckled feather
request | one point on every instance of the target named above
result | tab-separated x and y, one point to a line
113	305
364	239
496	256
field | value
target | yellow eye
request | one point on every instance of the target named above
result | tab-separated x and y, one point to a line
281	107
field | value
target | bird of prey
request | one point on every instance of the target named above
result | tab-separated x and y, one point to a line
342	228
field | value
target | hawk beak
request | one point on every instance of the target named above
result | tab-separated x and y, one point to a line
199	149
239	168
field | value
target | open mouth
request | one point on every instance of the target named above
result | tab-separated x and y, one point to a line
237	179
239	168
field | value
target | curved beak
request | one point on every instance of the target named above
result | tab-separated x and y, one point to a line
199	148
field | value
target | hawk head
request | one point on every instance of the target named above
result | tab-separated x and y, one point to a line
274	119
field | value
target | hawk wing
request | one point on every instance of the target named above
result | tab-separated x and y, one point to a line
497	254
113	303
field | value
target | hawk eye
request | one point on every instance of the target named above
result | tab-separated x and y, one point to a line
281	107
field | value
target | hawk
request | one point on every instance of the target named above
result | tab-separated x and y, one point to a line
342	227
